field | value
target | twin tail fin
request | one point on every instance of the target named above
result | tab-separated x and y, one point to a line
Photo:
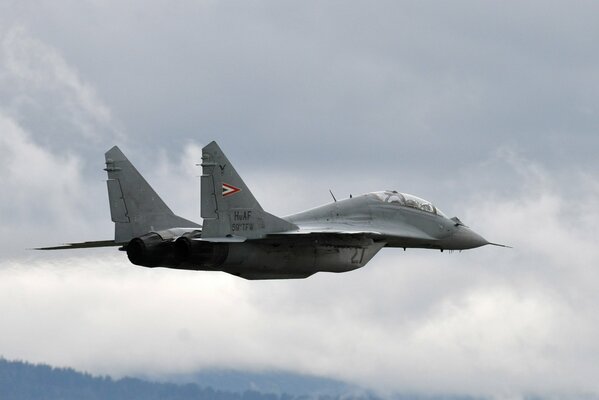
135	208
228	207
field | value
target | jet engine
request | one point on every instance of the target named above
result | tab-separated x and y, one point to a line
197	254
151	250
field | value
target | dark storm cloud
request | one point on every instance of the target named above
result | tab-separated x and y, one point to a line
351	82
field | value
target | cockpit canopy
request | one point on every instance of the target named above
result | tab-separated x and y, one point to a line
407	200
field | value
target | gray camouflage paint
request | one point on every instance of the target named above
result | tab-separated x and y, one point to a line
240	238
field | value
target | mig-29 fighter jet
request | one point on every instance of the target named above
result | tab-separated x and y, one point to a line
240	238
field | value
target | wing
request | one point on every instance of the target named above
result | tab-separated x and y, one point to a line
327	237
348	235
382	234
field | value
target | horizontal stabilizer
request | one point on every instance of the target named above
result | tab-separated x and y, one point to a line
82	245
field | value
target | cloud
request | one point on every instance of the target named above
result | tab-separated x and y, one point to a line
342	84
491	321
29	171
43	192
49	118
489	112
46	94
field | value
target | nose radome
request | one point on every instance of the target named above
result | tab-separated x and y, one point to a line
466	238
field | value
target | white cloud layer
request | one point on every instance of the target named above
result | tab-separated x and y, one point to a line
490	321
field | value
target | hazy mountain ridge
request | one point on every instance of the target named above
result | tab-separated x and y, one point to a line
276	382
22	381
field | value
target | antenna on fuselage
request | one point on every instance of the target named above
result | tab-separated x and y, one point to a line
331	192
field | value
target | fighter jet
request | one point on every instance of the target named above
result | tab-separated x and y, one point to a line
238	237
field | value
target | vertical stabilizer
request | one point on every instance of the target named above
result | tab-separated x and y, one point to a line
228	206
135	207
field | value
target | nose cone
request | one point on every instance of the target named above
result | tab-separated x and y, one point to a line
465	238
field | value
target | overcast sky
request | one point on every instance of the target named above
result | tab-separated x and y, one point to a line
488	109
